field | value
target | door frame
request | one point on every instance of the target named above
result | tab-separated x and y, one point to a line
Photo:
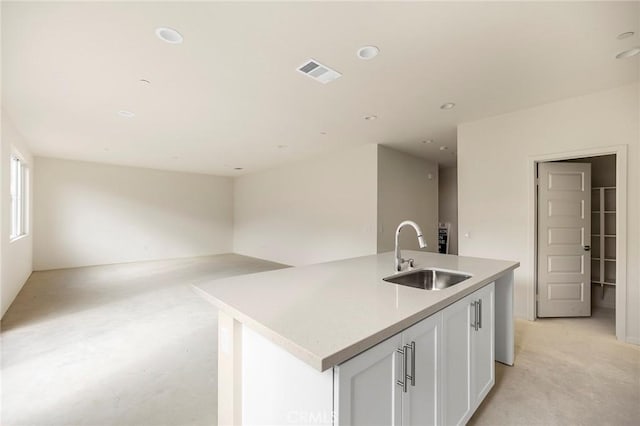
620	151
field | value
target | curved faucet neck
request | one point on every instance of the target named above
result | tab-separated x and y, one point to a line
399	261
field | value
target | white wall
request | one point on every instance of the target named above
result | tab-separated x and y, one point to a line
493	178
90	214
16	256
405	191
448	203
310	211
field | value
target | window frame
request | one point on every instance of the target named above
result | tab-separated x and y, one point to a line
19	194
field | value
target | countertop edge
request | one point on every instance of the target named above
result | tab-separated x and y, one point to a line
286	344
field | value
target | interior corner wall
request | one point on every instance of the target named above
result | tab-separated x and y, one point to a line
407	189
448	203
493	156
310	211
95	214
15	256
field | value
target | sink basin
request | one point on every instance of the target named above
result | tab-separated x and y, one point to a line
428	278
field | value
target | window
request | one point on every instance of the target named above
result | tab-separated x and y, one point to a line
18	198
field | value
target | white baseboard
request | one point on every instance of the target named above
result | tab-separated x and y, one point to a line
633	340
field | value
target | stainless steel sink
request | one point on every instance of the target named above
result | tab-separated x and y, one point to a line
428	278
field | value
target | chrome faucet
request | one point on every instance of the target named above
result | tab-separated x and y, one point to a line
399	260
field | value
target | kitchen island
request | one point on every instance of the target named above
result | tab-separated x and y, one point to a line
333	343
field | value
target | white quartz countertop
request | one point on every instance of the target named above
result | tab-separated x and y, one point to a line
326	313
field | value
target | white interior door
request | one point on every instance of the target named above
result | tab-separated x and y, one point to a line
564	237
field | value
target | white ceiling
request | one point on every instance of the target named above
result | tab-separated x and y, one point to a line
230	94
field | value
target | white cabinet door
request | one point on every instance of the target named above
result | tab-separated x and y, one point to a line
452	367
456	362
482	346
366	392
420	402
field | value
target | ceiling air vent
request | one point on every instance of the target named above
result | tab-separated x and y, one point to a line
318	72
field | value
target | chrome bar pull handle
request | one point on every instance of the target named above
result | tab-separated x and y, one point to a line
412	377
480	313
403	351
474	324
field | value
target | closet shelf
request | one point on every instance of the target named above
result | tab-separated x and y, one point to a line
603	240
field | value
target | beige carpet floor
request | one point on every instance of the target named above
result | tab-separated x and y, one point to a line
133	345
120	345
568	371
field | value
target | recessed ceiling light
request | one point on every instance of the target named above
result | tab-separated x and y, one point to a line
628	53
169	35
428	141
368	52
625	35
443	148
126	114
371	117
323	133
237	168
144	81
448	105
282	146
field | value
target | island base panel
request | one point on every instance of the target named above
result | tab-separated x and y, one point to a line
259	383
280	389
229	370
504	332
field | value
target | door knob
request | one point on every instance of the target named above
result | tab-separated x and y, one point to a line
586	248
